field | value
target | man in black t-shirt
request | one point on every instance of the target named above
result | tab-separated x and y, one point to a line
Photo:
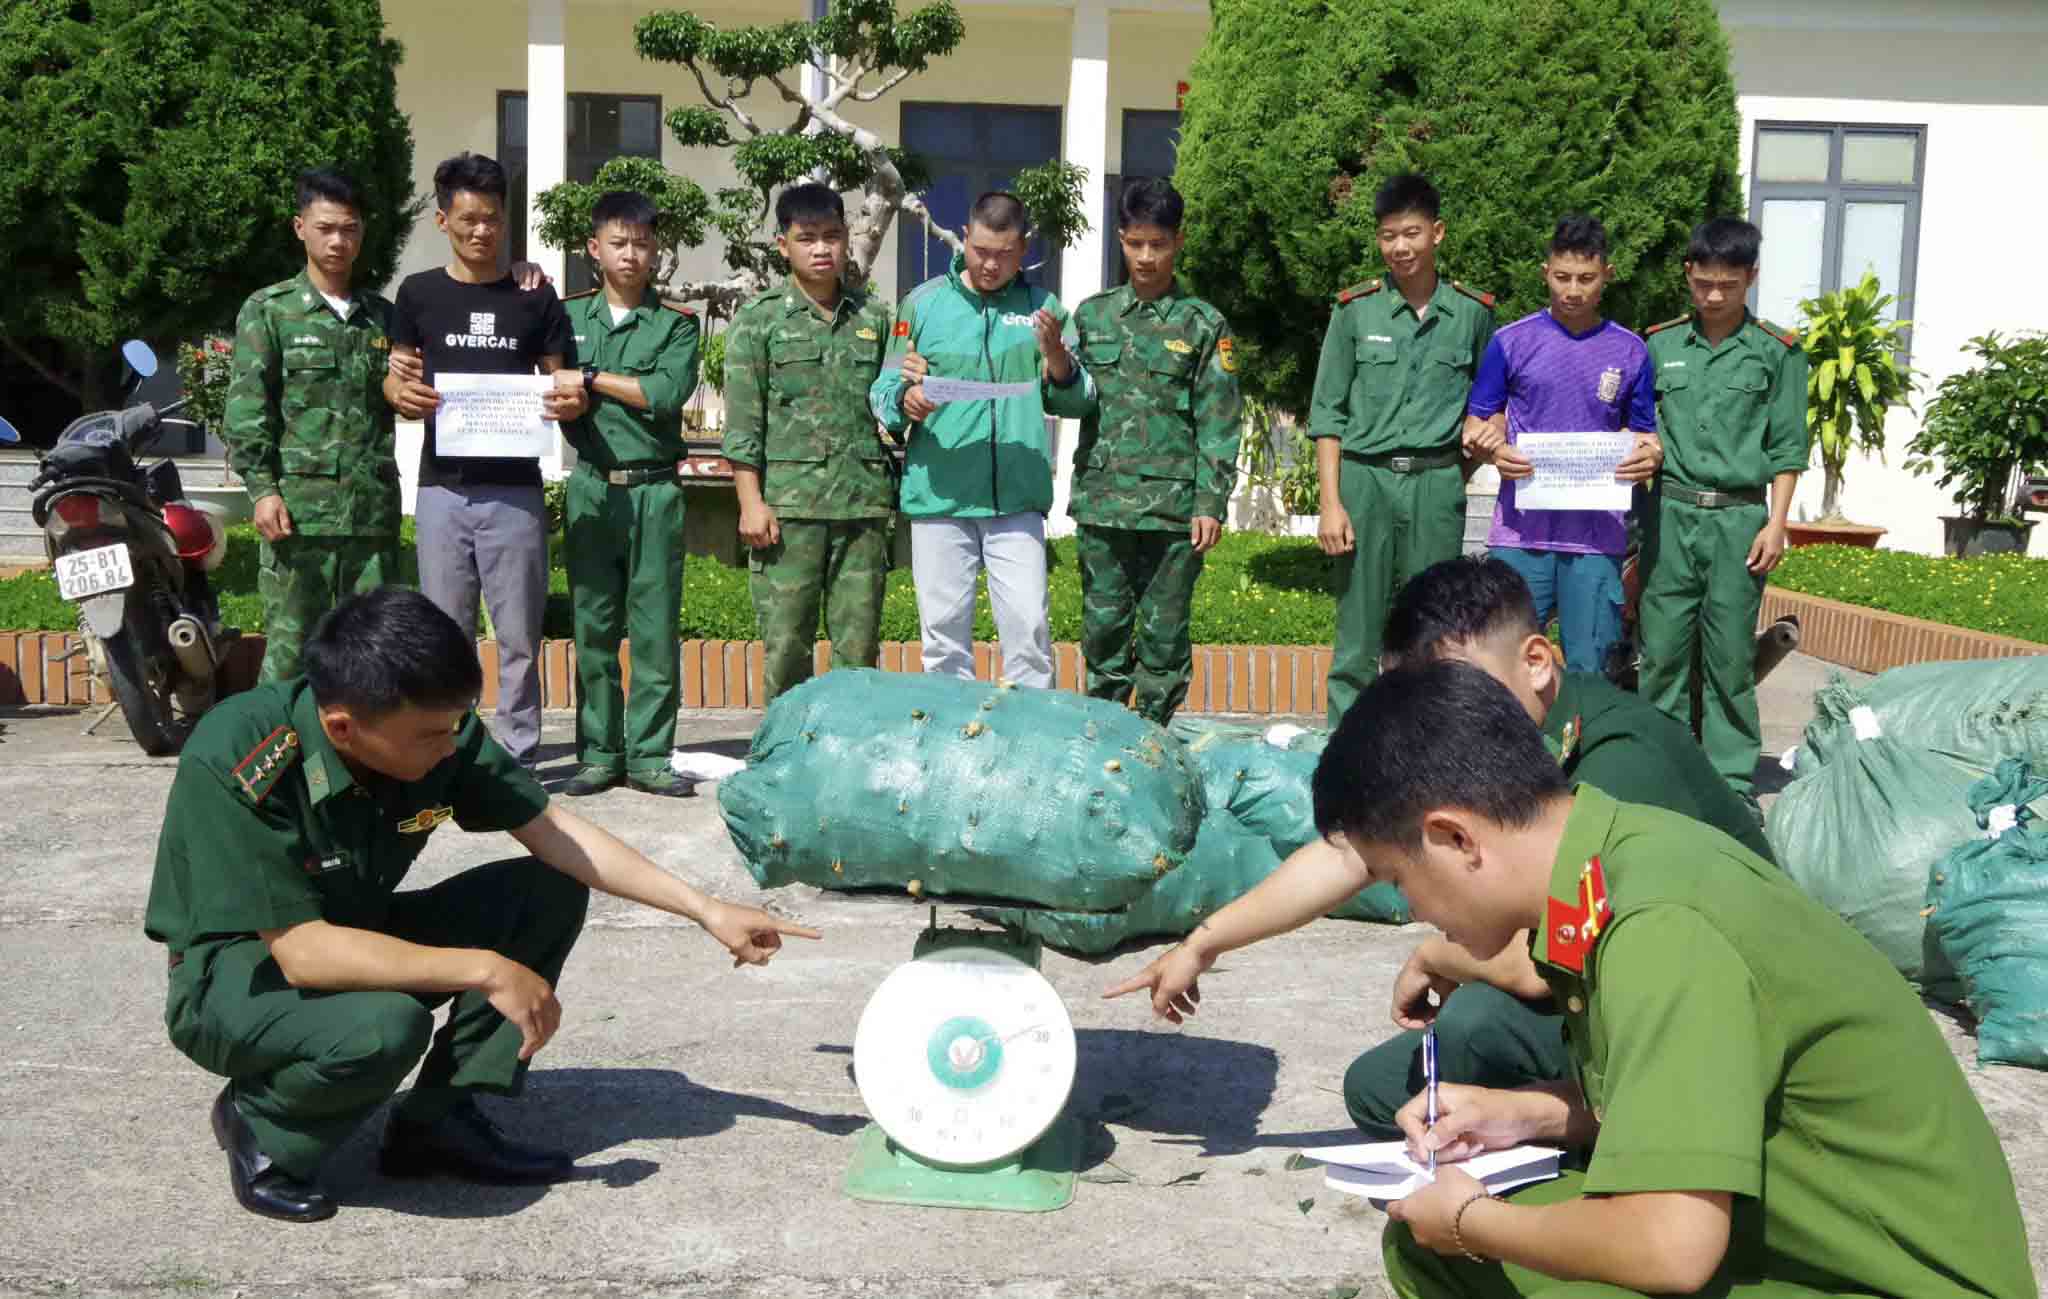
481	526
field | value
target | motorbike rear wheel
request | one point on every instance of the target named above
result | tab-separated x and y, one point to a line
145	699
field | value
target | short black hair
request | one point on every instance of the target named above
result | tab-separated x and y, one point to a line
471	173
1430	736
1580	234
1725	241
376	652
811	201
1150	201
1407	192
1454	602
628	207
328	183
999	212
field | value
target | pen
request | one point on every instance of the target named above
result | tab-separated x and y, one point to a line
1429	1085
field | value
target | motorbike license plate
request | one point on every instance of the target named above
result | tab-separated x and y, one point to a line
86	573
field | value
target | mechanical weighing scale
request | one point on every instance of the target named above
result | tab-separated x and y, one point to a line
965	1058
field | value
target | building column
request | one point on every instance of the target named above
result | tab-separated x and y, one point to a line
547	151
1085	144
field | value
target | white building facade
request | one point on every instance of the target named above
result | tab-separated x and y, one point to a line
1908	137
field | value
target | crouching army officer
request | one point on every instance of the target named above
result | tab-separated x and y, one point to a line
298	971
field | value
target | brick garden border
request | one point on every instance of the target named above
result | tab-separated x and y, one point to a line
1256	679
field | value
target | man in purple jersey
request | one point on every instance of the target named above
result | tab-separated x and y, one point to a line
1565	370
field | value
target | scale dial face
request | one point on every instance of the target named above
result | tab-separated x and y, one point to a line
964	1057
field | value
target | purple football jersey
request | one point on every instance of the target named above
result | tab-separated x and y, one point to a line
1550	380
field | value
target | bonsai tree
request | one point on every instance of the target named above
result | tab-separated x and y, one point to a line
1519	113
1853	379
1986	428
865	50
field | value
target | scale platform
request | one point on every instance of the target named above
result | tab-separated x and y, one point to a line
965	1059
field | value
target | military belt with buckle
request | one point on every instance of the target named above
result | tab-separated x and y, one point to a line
1717	500
634	475
1414	462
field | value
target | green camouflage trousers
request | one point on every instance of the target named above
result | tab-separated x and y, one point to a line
301	578
839	565
623	547
1137	592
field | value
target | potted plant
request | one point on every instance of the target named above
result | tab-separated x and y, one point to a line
1853	379
204	369
1985	430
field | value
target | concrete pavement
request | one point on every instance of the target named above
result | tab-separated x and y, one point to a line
711	1109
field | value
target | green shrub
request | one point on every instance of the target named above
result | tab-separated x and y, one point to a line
2006	595
1518	112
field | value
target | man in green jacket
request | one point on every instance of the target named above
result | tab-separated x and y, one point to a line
977	472
816	489
307	427
1731	404
1388	416
1156	460
623	507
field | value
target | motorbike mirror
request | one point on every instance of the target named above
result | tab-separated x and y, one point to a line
139	357
7	433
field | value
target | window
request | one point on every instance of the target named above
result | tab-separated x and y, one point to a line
1833	202
1151	148
970	149
600	128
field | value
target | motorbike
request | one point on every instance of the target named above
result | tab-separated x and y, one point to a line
133	555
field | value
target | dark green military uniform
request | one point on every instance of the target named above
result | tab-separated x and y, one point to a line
796	409
1158	450
1609	738
1392	389
268	828
306	419
1731	1034
1732	418
623	532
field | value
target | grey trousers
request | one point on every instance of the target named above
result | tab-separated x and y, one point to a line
492	541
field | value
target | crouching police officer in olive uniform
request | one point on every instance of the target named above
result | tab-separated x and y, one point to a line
623	509
1156	462
298	971
1731	402
307	427
815	481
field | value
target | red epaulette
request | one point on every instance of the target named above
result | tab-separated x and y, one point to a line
259	769
1575	928
1357	291
577	297
1483	299
1785	336
679	308
1674	321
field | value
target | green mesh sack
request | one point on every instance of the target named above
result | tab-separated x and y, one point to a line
1264	789
1973	713
1988	904
1381	903
1860	836
865	779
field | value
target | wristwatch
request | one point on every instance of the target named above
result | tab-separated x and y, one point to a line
590	373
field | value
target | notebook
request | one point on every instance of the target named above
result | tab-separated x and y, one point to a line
1382	1171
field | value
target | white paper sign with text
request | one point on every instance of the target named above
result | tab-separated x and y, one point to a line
1574	471
939	391
496	415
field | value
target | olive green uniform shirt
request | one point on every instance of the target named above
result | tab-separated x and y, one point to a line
1731	1034
796	404
267	828
306	418
1731	417
1159	437
1606	736
1390	383
655	344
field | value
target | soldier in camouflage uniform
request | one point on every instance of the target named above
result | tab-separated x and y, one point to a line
1156	461
308	429
815	480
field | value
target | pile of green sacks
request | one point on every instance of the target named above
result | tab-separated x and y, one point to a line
1883	793
1987	909
1112	829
